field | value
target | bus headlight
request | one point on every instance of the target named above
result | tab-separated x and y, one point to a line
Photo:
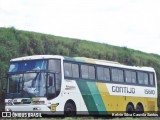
8	110
8	103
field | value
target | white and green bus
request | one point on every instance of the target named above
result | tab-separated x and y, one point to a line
64	85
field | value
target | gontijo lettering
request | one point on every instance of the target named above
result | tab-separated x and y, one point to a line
123	89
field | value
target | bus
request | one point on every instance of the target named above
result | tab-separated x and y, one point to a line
55	84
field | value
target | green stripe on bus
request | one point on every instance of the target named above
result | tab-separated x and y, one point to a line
87	97
92	97
97	97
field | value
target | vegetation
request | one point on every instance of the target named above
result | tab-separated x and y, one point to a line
15	43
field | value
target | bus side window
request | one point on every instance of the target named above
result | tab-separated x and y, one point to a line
67	70
140	78
100	73
145	75
106	74
91	74
117	75
133	77
75	70
151	79
128	76
103	74
84	71
114	75
120	76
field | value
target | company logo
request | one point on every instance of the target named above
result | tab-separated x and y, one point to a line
123	90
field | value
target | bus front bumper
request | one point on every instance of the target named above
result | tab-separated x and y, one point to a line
31	108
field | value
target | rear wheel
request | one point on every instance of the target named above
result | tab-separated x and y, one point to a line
129	108
69	109
139	108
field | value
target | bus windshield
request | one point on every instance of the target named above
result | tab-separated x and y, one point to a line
34	78
27	85
28	65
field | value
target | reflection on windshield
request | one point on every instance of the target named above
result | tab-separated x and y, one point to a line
33	84
28	65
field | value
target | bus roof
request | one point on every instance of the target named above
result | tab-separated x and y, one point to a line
85	60
115	64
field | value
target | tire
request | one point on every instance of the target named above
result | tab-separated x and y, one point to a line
139	108
129	109
69	109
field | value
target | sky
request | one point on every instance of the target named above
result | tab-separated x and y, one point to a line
127	23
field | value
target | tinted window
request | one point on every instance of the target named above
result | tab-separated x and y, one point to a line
91	72
133	77
100	74
28	65
143	78
88	72
145	75
106	74
120	75
151	78
140	78
71	70
67	70
117	75
130	76
75	70
103	73
84	71
54	65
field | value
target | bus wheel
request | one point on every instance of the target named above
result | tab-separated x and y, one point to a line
130	108
70	109
139	108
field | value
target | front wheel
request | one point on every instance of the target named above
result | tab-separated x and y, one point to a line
69	109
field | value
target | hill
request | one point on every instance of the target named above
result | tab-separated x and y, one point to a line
16	43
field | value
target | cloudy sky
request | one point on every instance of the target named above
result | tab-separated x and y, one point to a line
130	23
